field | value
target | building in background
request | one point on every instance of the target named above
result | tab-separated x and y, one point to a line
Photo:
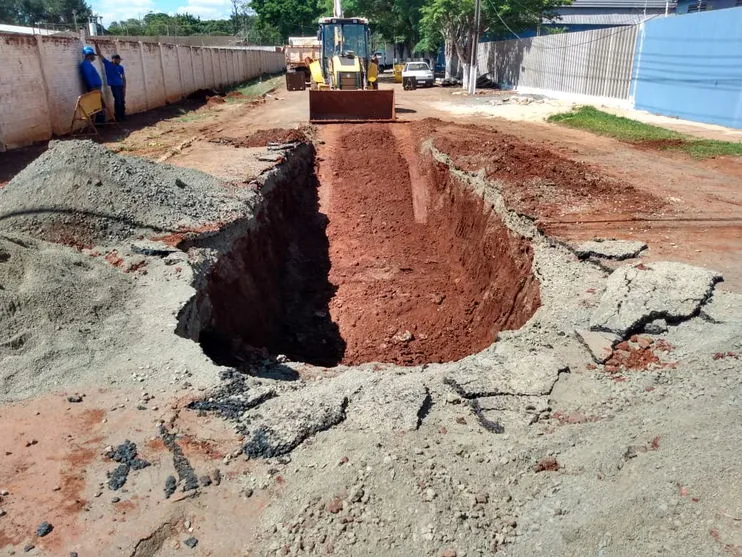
694	6
587	15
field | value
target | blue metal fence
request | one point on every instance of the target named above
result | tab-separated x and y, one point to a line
690	67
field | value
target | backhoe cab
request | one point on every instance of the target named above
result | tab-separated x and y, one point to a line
344	79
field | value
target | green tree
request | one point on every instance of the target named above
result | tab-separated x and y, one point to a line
396	21
289	17
452	23
65	11
50	12
131	27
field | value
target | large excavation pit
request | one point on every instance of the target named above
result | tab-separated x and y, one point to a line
367	250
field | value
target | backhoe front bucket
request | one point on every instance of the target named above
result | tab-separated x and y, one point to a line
351	105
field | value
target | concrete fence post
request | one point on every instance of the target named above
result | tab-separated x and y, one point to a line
180	72
144	75
162	71
213	84
193	70
50	108
203	67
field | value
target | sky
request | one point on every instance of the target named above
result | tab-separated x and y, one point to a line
116	10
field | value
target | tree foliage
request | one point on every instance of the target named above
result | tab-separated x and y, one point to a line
164	24
451	23
44	12
242	25
289	17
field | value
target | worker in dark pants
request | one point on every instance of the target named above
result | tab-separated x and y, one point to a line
116	79
91	77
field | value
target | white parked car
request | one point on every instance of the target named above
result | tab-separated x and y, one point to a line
417	74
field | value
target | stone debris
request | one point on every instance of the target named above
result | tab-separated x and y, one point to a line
656	327
191	542
638	294
186	473
171	485
152	248
44	529
126	455
599	344
547	464
51	300
610	249
233	399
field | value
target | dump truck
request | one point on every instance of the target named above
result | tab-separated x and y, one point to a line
344	83
299	53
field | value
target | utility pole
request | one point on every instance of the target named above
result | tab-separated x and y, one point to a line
472	85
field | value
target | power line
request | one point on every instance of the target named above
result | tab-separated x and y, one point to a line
503	21
622	29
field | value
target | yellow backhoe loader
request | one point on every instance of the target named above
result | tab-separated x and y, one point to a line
344	83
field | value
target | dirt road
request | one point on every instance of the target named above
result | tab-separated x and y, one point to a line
685	209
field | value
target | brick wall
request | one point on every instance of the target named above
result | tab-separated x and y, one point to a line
24	115
40	79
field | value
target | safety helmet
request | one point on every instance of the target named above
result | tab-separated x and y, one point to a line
88	50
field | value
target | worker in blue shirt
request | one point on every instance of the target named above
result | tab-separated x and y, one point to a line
116	79
90	75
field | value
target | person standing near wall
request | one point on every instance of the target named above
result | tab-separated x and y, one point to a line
90	75
116	79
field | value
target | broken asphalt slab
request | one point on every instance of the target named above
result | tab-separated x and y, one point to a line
492	374
638	294
280	424
396	403
610	249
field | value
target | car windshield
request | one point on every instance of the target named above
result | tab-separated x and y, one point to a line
417	66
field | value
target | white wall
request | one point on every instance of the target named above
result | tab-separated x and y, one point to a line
593	63
40	78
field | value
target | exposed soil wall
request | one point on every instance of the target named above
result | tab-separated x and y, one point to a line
386	257
425	272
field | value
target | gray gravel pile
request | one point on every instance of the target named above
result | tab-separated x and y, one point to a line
79	192
52	302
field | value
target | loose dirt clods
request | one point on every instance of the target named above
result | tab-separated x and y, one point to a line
378	345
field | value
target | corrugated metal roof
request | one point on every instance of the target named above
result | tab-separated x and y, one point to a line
601	19
621	4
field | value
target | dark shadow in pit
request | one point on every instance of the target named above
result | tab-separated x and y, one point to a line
307	332
401	110
269	295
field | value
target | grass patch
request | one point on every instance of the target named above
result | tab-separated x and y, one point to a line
255	88
631	131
